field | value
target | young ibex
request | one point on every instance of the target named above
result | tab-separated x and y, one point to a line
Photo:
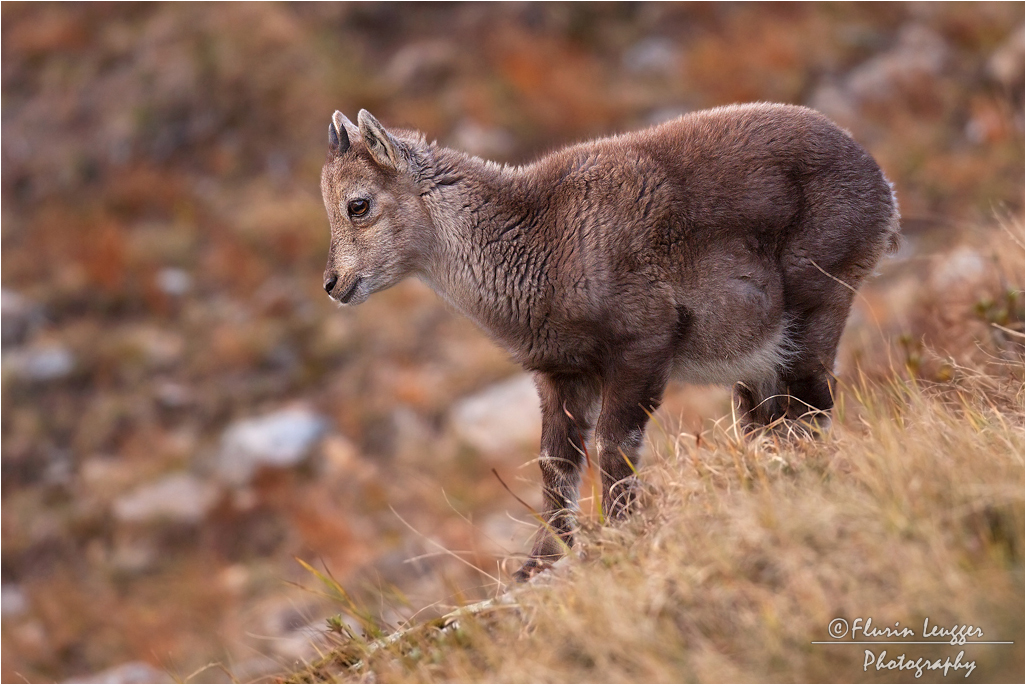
724	246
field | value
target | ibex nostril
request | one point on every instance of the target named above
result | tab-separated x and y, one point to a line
330	284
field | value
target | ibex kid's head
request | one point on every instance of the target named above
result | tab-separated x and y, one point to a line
378	222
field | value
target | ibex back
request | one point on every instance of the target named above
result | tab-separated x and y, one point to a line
724	247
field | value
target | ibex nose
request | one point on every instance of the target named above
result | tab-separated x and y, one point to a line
330	283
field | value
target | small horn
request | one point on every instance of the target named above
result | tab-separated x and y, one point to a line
338	139
344	124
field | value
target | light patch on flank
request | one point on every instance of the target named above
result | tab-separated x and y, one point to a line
761	364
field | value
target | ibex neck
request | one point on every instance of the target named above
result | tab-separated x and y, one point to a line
485	241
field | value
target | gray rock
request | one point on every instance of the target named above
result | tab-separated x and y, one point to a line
920	51
134	556
158	348
502	535
19	317
919	54
422	67
292	629
834	100
181	498
173	395
282	440
1006	64
503	417
665	114
174	281
13	601
653	56
128	673
50	362
60	467
256	670
959	269
482	141
409	434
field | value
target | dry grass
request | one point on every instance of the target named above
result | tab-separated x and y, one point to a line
912	508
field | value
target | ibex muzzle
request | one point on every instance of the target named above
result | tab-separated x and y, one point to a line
723	247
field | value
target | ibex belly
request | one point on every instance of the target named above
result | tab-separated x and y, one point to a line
737	329
761	363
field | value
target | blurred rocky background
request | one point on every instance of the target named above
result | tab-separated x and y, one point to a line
184	411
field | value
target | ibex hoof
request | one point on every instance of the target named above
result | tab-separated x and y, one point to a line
529	570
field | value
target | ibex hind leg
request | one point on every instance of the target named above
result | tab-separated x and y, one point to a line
757	404
809	380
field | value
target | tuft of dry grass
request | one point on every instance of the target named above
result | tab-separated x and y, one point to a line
910	510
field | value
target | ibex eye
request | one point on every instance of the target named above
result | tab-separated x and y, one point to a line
358	207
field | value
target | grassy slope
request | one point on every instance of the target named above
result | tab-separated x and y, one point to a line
912	508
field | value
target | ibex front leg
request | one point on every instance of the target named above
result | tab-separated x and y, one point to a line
568	404
630	394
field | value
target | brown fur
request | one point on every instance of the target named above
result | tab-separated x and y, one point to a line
724	246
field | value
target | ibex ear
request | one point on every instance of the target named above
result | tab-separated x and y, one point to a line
338	138
384	149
